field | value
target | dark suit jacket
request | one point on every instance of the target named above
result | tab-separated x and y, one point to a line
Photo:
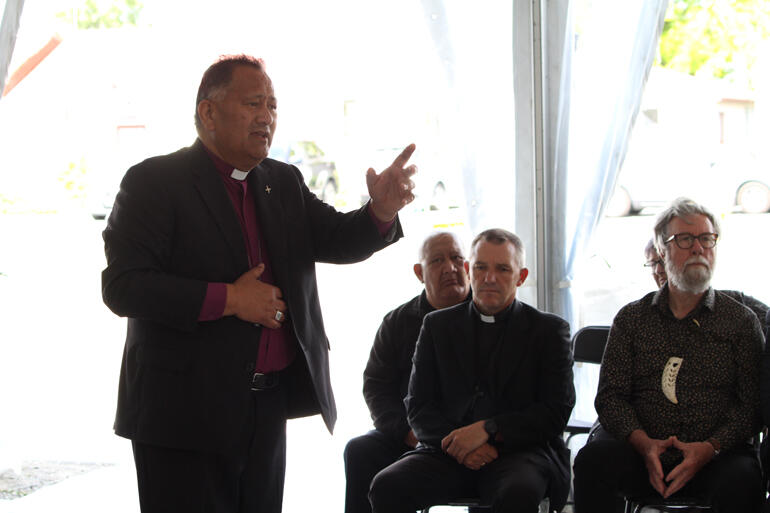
764	385
533	376
173	229
386	376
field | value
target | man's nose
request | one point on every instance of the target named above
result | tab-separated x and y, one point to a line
697	247
265	116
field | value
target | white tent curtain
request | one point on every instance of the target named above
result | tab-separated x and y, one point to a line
9	27
596	100
473	45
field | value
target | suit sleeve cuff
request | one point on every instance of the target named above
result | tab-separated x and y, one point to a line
214	302
382	227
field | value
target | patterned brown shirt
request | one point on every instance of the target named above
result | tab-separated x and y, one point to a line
711	364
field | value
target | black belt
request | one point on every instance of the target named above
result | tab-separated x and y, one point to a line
267	381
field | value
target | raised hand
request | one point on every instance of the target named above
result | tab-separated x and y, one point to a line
391	190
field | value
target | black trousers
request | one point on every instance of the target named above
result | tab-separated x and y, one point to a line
513	483
364	457
249	480
606	468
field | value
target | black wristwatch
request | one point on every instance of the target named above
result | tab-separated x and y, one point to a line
490	426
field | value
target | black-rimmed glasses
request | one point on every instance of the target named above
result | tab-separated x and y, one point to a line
686	240
654	263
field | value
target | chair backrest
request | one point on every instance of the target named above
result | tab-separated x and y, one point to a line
589	342
587	348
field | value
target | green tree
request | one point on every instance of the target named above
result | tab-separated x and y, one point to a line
714	37
95	14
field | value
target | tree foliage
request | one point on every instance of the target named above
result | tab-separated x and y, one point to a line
715	37
96	14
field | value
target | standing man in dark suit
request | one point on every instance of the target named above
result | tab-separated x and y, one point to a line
489	396
441	268
211	255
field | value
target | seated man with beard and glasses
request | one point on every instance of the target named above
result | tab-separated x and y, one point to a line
679	385
653	261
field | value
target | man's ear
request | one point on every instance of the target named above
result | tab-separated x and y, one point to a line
522	276
467	266
418	272
205	111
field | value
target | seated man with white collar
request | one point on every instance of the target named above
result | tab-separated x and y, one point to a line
489	396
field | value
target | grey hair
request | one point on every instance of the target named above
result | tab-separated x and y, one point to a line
681	208
650	247
422	253
500	236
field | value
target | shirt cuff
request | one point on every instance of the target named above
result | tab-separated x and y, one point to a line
214	302
382	227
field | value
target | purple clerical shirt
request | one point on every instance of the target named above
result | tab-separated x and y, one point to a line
277	347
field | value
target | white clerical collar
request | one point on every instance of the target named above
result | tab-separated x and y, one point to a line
490	319
239	175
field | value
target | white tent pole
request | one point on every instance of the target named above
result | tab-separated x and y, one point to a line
8	30
539	157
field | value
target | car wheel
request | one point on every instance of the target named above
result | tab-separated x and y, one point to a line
620	203
753	197
438	200
329	192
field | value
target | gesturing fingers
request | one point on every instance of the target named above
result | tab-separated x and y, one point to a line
404	157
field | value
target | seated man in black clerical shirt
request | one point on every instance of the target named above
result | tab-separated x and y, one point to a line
489	396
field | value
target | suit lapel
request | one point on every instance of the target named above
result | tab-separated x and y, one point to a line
212	190
267	187
515	346
463	338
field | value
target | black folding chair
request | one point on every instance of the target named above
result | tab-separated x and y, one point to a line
474	504
587	347
680	504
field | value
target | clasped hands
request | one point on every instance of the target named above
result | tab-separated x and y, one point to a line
469	446
252	300
695	456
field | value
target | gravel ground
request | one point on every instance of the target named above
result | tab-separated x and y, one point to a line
37	474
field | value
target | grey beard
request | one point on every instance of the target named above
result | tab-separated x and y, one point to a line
693	280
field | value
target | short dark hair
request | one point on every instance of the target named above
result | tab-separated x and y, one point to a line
218	76
500	236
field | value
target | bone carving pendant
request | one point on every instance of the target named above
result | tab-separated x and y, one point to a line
668	381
